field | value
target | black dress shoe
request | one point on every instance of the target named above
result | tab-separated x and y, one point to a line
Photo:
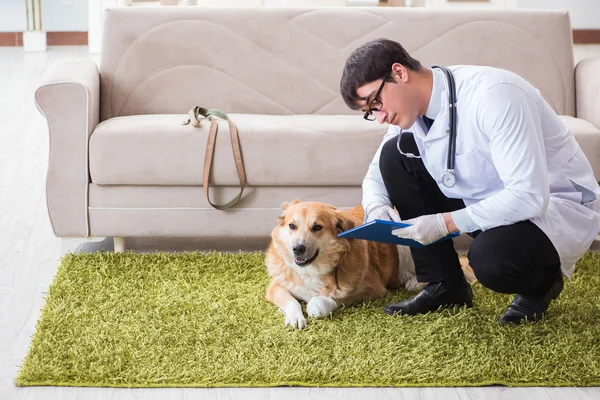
434	296
530	309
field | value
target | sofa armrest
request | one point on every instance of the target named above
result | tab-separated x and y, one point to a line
69	98
587	90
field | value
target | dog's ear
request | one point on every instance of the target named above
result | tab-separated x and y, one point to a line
281	218
343	223
286	204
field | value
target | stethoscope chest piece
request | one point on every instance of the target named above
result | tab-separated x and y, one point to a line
448	179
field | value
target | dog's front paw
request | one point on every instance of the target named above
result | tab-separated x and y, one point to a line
321	306
294	317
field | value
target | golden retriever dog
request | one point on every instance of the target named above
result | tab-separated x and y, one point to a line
307	261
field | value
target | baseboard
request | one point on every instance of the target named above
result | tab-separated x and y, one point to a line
52	38
580	36
67	38
586	36
11	38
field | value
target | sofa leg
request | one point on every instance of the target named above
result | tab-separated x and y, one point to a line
119	244
79	244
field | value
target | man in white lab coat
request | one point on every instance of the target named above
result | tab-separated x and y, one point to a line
520	184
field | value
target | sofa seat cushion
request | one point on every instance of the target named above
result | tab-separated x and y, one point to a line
588	137
321	150
278	150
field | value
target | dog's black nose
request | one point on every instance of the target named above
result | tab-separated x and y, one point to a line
299	249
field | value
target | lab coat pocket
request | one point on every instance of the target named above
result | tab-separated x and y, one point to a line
594	206
575	181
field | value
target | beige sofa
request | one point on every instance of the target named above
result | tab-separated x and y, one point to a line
122	165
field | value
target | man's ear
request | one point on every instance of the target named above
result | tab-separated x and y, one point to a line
399	73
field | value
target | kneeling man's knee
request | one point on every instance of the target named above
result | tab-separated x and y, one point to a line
486	267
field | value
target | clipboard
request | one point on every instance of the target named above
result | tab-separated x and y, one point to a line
380	230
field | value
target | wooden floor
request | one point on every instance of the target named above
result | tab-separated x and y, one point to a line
29	258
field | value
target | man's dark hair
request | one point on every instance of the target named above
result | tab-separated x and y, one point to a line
370	62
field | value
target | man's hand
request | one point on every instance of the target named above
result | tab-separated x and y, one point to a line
383	212
425	229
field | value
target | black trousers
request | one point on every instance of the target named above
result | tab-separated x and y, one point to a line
517	258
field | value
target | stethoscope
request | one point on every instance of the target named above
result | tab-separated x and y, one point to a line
448	178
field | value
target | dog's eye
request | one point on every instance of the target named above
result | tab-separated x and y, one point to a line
292	227
317	228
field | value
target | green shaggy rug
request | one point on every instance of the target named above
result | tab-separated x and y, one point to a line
200	320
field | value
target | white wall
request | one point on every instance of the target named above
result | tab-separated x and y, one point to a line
72	15
65	15
57	15
12	16
471	4
585	14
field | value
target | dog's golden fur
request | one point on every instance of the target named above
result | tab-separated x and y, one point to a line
331	271
337	271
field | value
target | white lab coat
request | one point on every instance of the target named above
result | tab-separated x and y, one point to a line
515	160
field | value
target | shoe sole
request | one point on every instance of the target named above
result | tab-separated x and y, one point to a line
557	291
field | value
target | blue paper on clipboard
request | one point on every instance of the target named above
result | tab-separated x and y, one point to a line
381	231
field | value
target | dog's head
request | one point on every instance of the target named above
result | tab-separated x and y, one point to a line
306	236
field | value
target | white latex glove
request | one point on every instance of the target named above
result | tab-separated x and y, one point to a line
383	212
425	229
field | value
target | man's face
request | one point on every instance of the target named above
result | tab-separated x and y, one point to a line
396	103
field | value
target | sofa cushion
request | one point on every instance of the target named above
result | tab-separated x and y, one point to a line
321	150
588	137
289	150
289	60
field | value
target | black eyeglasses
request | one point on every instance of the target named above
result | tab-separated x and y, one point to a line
375	105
